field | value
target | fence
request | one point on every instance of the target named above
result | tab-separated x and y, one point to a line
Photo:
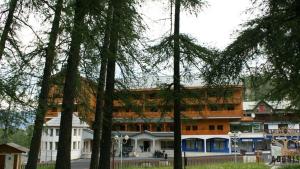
190	161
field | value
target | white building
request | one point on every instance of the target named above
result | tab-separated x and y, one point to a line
81	139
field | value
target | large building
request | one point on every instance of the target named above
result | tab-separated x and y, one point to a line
206	117
209	114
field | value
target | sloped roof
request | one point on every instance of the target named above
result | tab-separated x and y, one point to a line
76	122
12	148
279	105
151	81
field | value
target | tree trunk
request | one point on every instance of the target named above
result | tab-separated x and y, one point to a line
106	141
99	102
63	158
177	100
9	20
43	97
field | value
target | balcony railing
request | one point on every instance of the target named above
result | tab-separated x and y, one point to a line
282	131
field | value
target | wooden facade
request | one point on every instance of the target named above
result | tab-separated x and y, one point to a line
205	111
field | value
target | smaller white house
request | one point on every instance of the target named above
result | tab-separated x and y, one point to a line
81	139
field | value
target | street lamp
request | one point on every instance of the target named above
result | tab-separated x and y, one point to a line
121	140
235	136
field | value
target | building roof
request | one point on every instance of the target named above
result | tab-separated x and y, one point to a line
12	148
152	82
134	134
278	105
76	122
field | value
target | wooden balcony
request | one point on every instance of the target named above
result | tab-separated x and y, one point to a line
204	132
187	114
282	131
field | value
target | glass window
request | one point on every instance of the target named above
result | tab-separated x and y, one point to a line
74	145
190	143
75	132
167	145
51	132
56	145
50	143
195	127
46	145
220	127
187	127
211	127
219	144
229	107
214	107
57	132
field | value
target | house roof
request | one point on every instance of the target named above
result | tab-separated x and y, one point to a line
12	148
146	132
76	122
153	82
277	105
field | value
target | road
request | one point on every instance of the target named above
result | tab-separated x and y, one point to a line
80	164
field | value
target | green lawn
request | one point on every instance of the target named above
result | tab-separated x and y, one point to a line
216	166
290	167
207	166
46	166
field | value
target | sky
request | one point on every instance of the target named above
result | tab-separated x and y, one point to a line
213	26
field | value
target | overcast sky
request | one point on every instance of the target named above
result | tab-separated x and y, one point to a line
213	26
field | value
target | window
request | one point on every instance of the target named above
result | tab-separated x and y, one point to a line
122	127
214	107
228	93
78	145
152	95
46	145
229	107
191	143
46	131
187	127
167	145
212	93
266	126
54	109
153	109
79	132
51	144
57	132
56	145
145	127
74	145
211	127
51	132
195	128
282	126
75	132
183	108
158	127
220	127
219	144
197	108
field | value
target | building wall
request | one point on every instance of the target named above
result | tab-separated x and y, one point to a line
49	143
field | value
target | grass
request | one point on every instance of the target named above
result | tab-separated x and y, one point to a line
50	166
216	166
206	166
291	166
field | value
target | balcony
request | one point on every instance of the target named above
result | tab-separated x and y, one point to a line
282	131
205	132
